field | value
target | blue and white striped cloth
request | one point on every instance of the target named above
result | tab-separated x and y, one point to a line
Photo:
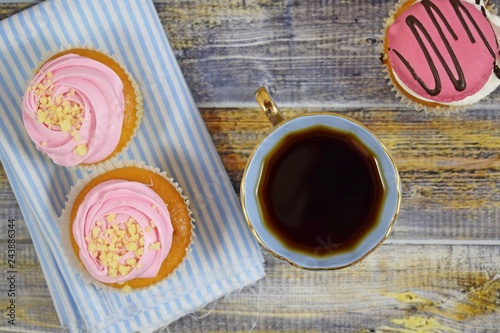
225	257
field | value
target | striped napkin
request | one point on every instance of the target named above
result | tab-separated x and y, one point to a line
225	257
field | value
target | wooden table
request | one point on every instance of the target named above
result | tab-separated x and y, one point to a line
439	271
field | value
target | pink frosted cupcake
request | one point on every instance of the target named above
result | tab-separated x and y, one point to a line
442	55
81	107
127	226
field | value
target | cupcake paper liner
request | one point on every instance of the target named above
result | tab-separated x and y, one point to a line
71	257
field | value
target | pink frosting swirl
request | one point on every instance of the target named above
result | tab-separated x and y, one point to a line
73	110
123	230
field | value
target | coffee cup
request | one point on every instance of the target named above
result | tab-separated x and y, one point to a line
320	190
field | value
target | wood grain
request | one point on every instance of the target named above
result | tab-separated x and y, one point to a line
449	166
449	171
439	269
9	9
308	53
423	287
445	287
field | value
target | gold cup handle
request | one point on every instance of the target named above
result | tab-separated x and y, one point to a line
267	104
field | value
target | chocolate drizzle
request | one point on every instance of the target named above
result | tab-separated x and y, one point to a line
419	32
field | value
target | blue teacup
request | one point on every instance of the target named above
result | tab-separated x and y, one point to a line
323	251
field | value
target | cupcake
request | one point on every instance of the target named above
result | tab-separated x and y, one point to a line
81	107
442	55
128	227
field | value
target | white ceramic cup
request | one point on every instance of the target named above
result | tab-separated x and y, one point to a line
250	185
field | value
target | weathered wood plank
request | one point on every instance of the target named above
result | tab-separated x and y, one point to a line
9	9
399	284
325	53
450	167
450	174
9	209
309	53
34	309
448	286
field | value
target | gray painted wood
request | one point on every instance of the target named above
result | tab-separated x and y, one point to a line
439	269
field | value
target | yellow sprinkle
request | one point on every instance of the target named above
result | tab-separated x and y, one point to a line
81	150
40	86
41	116
126	289
131	262
113	272
132	229
152	224
44	143
119	240
124	270
111	217
65	125
95	231
148	229
155	246
50	75
43	100
112	264
131	247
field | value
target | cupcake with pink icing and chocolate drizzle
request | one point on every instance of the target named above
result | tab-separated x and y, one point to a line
442	55
81	108
127	226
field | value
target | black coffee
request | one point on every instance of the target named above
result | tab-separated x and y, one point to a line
320	191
